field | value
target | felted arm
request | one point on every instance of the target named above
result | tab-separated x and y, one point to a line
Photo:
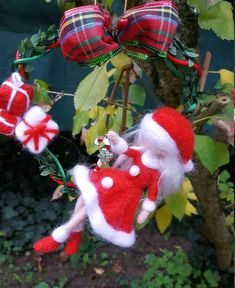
149	204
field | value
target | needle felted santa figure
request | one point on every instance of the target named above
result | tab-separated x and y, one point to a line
110	197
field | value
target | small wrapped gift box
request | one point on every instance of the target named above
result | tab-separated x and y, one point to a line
8	123
15	96
36	130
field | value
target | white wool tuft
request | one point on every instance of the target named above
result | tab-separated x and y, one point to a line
188	167
16	79
60	234
149	205
107	182
134	170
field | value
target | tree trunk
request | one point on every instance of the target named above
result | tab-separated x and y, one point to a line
215	228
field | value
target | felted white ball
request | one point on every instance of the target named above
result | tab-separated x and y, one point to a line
107	182
134	170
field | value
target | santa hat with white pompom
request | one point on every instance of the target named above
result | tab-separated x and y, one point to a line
171	132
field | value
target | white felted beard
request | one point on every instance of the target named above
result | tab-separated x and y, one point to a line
150	138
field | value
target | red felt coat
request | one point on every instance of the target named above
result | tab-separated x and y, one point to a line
112	197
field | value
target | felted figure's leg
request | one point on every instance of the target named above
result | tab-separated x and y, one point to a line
63	232
74	240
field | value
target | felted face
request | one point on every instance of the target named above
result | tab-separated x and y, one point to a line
155	139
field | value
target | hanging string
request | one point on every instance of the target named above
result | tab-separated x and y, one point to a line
125	5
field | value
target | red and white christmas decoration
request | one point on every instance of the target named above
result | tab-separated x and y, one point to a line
15	96
8	123
36	130
110	197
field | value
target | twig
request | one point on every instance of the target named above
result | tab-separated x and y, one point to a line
216	107
205	70
125	97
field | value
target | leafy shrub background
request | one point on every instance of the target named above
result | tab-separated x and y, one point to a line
26	213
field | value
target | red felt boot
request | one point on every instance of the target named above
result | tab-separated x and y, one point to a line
46	245
73	243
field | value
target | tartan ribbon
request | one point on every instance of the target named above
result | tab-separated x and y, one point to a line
39	130
143	32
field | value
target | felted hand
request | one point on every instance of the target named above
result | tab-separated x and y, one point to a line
113	137
118	144
142	217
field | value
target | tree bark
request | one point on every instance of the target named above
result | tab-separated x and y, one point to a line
214	228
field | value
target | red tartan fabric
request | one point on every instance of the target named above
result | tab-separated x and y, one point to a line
148	29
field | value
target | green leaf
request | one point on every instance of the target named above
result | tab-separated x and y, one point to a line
213	154
108	3
190	63
219	18
201	5
163	218
41	95
137	94
97	130
92	89
212	277
117	120
8	212
177	204
80	120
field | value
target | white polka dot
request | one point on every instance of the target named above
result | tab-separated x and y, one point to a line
134	170
107	182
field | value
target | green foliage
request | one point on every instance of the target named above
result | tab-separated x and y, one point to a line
174	270
36	47
213	154
41	95
137	95
108	3
26	219
50	165
92	89
66	4
217	17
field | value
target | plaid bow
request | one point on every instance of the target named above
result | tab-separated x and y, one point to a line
143	32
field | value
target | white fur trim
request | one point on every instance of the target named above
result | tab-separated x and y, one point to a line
134	170
60	235
107	182
120	147
96	217
188	166
149	205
